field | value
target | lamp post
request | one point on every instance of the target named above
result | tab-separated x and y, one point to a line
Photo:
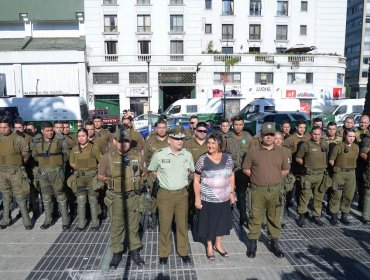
225	72
149	95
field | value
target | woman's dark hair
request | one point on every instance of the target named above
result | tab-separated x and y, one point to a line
217	137
82	130
348	130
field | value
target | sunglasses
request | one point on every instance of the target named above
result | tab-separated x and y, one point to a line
192	122
201	131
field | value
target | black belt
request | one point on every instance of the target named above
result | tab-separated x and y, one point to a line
180	190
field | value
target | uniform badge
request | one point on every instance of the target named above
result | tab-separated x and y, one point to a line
166	160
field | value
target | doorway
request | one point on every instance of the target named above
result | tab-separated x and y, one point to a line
173	93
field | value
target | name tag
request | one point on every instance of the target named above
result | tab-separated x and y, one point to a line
166	160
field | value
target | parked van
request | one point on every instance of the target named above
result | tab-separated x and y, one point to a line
340	108
209	110
262	105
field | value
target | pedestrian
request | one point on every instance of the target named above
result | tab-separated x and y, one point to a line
14	153
266	165
84	160
172	166
122	170
137	141
214	188
343	159
312	155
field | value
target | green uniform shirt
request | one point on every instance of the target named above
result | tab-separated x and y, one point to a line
20	145
152	145
172	171
90	151
196	148
345	156
137	141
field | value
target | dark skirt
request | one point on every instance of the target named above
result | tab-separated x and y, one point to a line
214	220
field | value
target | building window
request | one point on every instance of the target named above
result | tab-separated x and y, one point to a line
300	78
303	30
364	74
109	2
138	77
176	23
111	51
208	28
143	23
105	78
365	60
227	50
208	4
282	8
227	31
280	50
264	78
110	23
177	48
255	32
254	50
340	79
304	6
176	2
232	77
255	8
281	32
227	7
144	47
143	2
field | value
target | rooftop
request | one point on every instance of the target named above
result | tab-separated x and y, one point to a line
35	44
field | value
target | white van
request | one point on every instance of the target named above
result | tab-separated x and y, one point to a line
340	108
261	105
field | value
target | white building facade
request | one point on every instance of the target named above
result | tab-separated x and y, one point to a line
183	45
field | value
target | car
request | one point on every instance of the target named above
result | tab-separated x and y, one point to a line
141	121
172	122
254	123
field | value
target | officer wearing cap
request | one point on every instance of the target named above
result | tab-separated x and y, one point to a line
266	164
172	166
122	170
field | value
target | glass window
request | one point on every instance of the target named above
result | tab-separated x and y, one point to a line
138	77
227	31
280	50
176	23
340	79
208	28
364	74
227	50
110	23
109	2
175	109
255	8
176	2
232	77
281	32
300	78
282	8
105	78
365	60
304	5
143	2
303	30
177	47
255	31
111	50
208	4
341	110
264	78
227	7
143	23
254	49
191	108
298	117
144	47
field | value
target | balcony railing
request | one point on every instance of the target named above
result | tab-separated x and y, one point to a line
144	57
301	58
111	58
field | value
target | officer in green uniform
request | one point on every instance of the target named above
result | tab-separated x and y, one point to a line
102	137
137	141
84	160
266	165
193	121
51	151
365	154
172	166
349	122
312	154
153	144
14	152
225	133
122	170
237	146
343	159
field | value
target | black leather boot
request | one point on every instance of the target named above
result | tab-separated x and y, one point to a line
275	249
252	249
135	256
116	259
302	220
334	219
344	219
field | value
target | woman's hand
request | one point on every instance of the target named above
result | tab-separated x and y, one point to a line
232	197
198	203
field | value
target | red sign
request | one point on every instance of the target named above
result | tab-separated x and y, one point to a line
291	93
337	92
217	93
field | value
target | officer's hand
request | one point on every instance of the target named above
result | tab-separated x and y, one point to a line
198	203
232	198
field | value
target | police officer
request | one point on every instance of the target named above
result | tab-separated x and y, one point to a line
68	135
51	151
285	129
365	154
102	136
84	160
121	169
14	152
137	141
343	159
238	145
266	165
224	129
312	154
193	121
153	144
172	166
349	122
93	139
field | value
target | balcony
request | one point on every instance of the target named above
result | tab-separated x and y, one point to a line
111	58
109	2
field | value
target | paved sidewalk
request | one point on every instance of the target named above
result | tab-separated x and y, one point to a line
313	252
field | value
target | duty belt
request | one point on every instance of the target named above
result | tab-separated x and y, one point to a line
86	173
7	168
339	169
49	169
315	171
265	188
180	190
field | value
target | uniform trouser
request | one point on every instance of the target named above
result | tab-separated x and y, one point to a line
361	186
265	200
311	185
344	187
366	204
241	185
152	183
170	204
125	212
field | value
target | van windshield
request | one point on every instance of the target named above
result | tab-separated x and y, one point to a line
250	109
173	110
331	109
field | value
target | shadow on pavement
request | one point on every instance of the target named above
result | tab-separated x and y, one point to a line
361	236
